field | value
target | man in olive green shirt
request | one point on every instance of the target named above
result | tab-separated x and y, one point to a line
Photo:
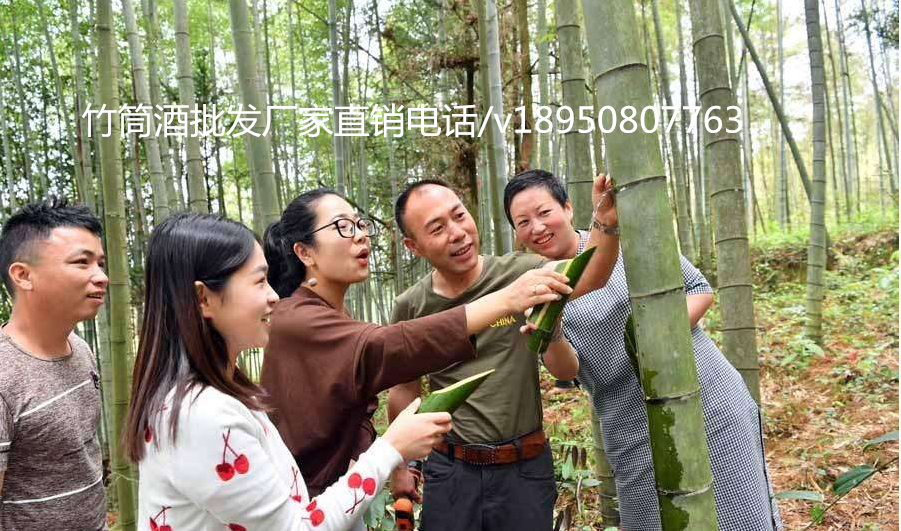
495	472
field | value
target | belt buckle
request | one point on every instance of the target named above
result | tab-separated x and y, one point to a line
477	447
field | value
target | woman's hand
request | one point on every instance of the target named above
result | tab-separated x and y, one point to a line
535	287
602	197
414	434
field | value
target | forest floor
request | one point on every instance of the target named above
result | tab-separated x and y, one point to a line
819	405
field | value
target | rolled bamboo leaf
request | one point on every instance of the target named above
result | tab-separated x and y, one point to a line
453	396
632	345
545	316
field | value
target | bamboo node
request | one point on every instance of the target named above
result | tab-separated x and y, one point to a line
671	398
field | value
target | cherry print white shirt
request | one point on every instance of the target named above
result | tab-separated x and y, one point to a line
229	469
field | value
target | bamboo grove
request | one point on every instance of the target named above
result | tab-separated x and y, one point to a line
816	146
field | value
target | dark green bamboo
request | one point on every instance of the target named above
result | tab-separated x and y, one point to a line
669	376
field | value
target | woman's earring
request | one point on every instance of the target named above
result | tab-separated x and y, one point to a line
312	282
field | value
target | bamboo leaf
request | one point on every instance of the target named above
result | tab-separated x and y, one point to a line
799	495
852	478
885	437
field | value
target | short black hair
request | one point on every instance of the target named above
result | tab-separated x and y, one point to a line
34	222
531	179
400	205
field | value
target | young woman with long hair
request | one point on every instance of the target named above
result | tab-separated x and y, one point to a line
208	456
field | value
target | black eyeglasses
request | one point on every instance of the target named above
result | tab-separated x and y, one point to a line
347	228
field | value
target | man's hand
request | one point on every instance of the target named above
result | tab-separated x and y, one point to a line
405	484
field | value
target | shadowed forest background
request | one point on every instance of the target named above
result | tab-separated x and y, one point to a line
805	193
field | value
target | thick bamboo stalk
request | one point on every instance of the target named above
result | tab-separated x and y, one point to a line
148	10
669	376
816	252
604	473
198	200
503	236
683	221
120	333
258	147
723	159
160	196
579	175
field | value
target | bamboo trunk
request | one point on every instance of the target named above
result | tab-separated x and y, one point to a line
893	176
337	143
258	148
23	110
173	193
498	169
61	100
668	373
578	174
120	333
198	199
683	220
544	149
774	101
160	196
722	156
84	159
816	253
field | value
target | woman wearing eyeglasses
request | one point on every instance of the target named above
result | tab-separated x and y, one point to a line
322	368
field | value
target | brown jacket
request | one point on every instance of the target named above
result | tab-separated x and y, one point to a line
323	372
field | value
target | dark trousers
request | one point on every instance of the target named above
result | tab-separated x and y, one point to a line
458	496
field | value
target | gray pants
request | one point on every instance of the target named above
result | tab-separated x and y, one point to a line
458	496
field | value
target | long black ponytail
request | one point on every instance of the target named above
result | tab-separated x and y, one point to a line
296	225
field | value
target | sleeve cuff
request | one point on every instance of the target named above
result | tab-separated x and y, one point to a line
385	458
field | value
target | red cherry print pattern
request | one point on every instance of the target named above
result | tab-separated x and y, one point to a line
227	470
237	527
295	487
154	526
355	481
148	435
316	515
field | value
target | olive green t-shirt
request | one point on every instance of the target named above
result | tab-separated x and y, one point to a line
508	403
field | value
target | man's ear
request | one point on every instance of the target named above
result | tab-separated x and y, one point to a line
203	298
568	210
21	276
303	253
410	244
